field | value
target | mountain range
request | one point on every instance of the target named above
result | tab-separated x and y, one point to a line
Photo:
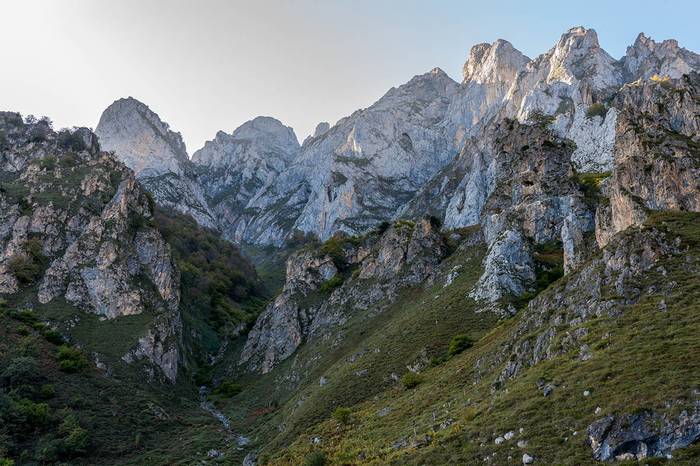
502	270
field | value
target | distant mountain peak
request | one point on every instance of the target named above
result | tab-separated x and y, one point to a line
493	63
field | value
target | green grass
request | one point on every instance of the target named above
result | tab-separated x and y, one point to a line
596	109
641	359
87	418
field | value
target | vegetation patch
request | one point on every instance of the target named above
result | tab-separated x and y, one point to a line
228	389
597	109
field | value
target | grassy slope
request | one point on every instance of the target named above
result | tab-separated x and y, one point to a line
128	422
642	359
420	321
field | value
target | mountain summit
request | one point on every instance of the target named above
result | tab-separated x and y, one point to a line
158	156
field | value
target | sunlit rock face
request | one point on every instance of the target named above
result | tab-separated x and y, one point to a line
234	168
145	143
357	173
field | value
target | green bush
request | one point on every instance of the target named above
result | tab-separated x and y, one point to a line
20	370
24	269
52	336
29	415
597	109
71	359
458	344
538	118
26	316
27	267
228	389
315	458
75	439
48	162
334	249
6	462
411	380
70	140
331	284
342	415
48	391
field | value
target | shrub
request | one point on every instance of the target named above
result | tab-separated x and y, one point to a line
48	391
52	336
538	118
70	140
6	462
334	249
663	81
228	389
411	380
28	267
71	359
342	415
39	132
26	316
458	344
596	109
316	458
75	439
30	415
331	284
20	370
48	162
24	269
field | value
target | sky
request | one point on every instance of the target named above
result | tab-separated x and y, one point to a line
210	65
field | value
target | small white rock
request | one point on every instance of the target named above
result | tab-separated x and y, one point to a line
586	393
527	459
598	410
499	440
509	435
522	443
521	430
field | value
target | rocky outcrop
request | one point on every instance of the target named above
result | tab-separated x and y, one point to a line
157	155
77	224
343	277
234	168
564	82
489	73
356	174
603	287
657	153
520	186
646	58
644	435
320	129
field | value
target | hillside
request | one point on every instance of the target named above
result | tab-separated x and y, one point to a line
504	270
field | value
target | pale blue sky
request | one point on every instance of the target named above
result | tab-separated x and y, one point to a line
207	65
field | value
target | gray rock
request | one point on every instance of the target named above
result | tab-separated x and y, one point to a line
647	434
158	156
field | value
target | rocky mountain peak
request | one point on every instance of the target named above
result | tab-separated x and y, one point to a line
260	137
156	154
493	63
271	129
428	86
578	55
321	128
140	138
647	57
